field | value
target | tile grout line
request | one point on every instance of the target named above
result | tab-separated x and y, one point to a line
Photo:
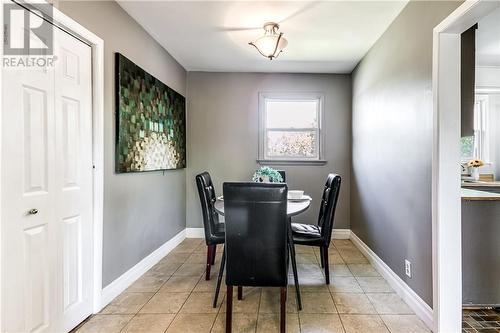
220	309
365	293
222	301
180	308
135	314
258	312
169	324
340	317
378	314
154	294
355	278
175	316
258	309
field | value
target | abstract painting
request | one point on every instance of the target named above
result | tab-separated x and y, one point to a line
150	121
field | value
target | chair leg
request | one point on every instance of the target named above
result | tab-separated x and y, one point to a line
327	268
229	309
294	267
219	277
240	293
322	257
214	253
283	309
295	277
210	250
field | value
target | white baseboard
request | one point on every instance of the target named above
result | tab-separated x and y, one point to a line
116	287
195	233
421	309
341	233
200	233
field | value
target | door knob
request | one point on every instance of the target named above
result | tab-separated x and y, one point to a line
33	211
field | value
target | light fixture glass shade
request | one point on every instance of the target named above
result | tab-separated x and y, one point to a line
272	43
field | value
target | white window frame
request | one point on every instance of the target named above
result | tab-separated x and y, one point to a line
481	128
320	133
481	144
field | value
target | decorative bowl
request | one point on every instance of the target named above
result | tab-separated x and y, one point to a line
295	194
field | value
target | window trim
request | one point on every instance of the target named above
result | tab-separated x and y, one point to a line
481	144
290	96
481	128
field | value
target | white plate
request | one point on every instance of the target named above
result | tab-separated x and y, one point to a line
304	198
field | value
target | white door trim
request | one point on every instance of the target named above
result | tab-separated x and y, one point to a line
446	202
97	44
1	134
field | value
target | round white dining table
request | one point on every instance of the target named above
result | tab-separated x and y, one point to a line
293	207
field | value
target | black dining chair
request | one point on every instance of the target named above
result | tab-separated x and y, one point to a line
293	261
283	175
256	249
214	229
320	235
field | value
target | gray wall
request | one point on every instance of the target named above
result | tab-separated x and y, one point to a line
223	134
141	210
392	144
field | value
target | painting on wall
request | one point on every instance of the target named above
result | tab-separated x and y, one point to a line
150	121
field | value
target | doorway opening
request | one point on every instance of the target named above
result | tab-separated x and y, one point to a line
446	179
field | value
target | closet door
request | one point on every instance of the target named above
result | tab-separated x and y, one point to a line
29	226
47	192
73	180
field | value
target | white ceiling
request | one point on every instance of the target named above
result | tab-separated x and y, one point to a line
323	37
488	40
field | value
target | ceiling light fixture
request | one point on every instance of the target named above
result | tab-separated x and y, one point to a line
272	43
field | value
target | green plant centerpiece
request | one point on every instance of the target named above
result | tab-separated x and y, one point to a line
267	175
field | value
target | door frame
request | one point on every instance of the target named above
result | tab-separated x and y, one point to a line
72	27
446	183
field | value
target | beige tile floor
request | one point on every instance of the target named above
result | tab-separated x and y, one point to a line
174	297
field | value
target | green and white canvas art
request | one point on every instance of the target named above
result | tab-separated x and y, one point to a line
150	121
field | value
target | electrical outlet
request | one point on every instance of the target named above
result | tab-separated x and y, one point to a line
408	268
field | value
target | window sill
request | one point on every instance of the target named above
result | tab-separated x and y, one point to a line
291	162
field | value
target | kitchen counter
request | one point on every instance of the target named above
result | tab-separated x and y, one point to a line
476	195
480	184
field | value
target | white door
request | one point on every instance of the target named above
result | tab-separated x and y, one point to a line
73	166
47	192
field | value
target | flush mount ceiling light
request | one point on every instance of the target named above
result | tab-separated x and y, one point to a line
272	43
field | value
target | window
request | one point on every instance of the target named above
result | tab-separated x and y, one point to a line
478	146
481	139
290	127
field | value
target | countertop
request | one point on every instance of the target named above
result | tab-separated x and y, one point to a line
480	184
475	195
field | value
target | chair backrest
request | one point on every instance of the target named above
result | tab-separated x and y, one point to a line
256	234
207	199
328	205
283	175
